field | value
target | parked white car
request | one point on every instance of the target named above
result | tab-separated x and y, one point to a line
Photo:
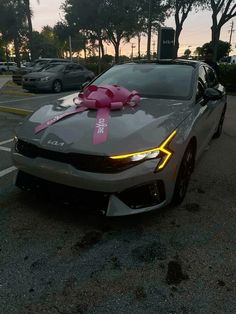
8	66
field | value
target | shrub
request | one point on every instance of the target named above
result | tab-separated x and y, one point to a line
228	76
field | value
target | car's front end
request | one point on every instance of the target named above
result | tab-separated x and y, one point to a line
127	175
35	81
133	171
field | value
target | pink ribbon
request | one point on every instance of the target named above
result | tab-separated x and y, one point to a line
103	99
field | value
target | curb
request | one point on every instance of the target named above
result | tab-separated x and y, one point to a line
13	93
10	88
22	112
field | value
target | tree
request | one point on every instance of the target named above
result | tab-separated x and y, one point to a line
13	24
181	10
86	16
198	52
28	13
222	12
187	53
111	20
223	49
151	14
121	22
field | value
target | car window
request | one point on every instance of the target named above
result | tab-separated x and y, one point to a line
173	81
39	64
203	76
200	91
211	77
78	67
53	68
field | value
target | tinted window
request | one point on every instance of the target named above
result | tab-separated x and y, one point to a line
203	76
152	80
78	67
54	68
211	77
200	91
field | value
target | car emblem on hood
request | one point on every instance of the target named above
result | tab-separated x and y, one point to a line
56	143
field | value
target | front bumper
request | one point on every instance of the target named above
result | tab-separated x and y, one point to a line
37	85
123	191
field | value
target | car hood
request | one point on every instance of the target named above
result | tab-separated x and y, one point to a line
130	130
25	70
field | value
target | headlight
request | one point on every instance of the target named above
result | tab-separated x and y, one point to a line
163	152
44	79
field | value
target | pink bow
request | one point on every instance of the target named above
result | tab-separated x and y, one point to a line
103	99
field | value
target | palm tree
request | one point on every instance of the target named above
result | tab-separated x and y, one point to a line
12	24
28	12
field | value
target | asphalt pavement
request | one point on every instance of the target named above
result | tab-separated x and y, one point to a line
55	259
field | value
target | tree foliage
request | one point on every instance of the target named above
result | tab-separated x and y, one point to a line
13	23
223	50
114	21
181	9
222	12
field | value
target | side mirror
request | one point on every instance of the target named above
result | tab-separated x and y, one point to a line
212	94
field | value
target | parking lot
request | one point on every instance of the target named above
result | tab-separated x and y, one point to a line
55	259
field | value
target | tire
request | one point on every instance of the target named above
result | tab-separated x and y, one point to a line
220	125
57	86
184	174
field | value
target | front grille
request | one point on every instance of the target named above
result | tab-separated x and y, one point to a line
90	163
91	201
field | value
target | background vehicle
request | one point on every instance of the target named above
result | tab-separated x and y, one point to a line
56	77
230	60
35	66
8	66
151	149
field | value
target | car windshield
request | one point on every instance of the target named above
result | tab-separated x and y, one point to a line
53	68
172	81
39	64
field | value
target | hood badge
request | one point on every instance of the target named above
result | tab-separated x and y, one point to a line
56	143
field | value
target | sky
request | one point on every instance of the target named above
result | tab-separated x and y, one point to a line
195	33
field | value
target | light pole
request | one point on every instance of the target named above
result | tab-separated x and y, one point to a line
70	47
149	30
132	51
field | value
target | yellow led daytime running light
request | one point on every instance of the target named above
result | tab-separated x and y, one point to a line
161	148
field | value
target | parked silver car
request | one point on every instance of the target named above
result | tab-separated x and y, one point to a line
151	149
57	77
34	66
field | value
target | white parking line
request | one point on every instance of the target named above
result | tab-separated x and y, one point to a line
7	171
34	97
5	149
6	142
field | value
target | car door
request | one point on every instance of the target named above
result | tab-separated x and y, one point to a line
73	76
205	118
215	106
80	75
68	76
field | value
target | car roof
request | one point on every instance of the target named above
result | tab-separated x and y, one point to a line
51	59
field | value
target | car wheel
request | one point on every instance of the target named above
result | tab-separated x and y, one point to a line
184	174
220	126
57	86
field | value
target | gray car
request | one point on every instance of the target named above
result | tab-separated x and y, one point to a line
57	77
35	66
149	155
